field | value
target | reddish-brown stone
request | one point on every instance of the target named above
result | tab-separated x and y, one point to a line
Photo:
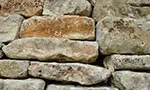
67	26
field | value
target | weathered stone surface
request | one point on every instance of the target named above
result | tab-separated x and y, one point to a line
121	8
13	68
48	49
70	72
133	62
26	8
92	2
9	28
69	87
67	7
72	27
123	36
128	80
27	84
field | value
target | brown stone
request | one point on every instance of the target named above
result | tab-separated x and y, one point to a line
72	27
26	8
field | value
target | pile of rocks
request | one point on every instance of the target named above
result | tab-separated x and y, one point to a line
62	44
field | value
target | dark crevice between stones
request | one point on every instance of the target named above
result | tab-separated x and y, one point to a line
140	5
137	70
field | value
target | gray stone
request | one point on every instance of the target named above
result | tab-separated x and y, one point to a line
132	62
9	28
128	80
69	7
49	49
70	87
13	68
26	84
123	36
92	2
70	72
121	8
1	53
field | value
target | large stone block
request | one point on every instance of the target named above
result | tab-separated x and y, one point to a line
26	8
9	27
52	49
13	68
128	80
132	62
62	7
70	87
72	27
121	8
70	72
123	36
26	84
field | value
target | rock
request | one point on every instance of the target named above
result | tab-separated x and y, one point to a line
67	7
13	68
123	36
92	2
121	8
26	8
9	28
72	27
132	62
1	54
26	84
128	80
52	49
83	74
70	87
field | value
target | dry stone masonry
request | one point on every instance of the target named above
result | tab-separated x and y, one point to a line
74	44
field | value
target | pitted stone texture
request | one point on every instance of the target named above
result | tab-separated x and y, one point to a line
121	8
123	36
26	8
52	49
67	7
13	68
26	84
9	27
70	87
132	62
66	26
70	72
128	80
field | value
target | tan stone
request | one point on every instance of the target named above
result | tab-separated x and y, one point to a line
13	68
49	49
69	72
26	8
67	7
123	36
72	27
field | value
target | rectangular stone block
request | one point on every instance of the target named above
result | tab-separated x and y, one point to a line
123	36
71	87
9	27
130	62
67	26
13	68
26	8
69	72
52	49
26	84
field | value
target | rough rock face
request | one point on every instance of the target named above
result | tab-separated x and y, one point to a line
48	49
121	8
72	27
123	36
9	27
67	87
70	72
13	68
27	84
64	7
133	62
127	80
26	8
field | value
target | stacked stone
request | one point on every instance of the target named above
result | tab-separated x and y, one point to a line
46	43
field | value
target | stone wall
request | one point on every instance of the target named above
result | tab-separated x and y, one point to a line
74	44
